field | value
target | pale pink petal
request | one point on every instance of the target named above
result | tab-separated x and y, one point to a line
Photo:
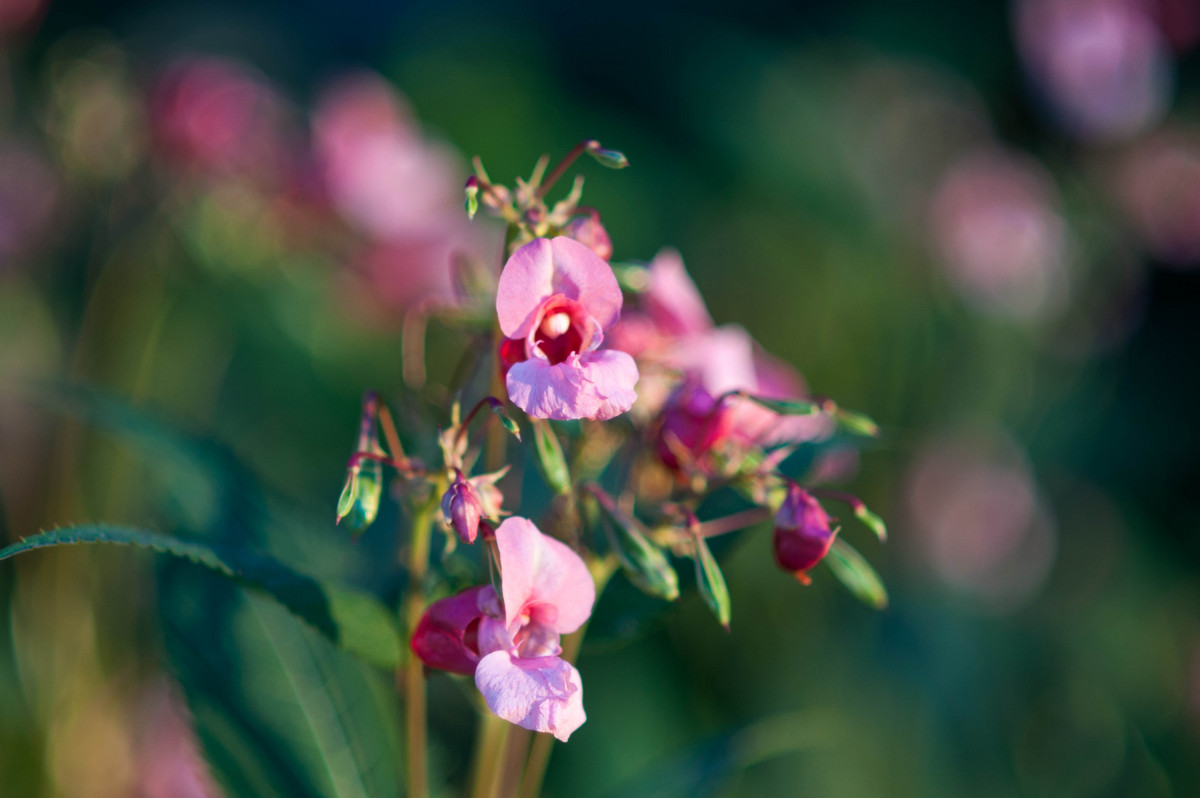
544	391
543	577
440	639
545	267
597	385
672	298
611	377
722	358
542	694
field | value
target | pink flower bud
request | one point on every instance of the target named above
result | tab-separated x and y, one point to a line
693	423
462	509
802	533
588	230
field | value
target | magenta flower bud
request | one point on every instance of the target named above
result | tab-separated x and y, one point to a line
693	423
462	509
802	533
588	230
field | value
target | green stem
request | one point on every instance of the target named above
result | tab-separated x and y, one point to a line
543	744
414	669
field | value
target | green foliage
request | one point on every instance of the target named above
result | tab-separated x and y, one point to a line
711	583
550	459
853	571
349	618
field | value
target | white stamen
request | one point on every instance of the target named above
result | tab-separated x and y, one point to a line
556	324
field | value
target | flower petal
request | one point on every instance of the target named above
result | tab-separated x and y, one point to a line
544	577
672	299
542	694
544	391
611	377
439	639
545	267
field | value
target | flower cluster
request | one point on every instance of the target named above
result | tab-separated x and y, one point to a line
693	409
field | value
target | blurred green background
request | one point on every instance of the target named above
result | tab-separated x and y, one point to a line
977	222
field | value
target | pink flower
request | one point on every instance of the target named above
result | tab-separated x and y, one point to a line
511	642
588	230
802	534
672	334
1102	65
995	226
218	115
555	298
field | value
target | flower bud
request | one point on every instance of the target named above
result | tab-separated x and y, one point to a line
802	533
588	230
462	509
693	423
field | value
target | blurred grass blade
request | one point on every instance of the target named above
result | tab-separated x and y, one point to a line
711	583
785	407
351	619
551	461
853	571
279	711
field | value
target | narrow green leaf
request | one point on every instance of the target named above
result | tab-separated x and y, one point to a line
856	423
711	583
785	407
853	571
551	461
349	618
871	521
644	564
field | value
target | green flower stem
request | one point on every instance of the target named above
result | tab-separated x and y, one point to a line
543	744
414	669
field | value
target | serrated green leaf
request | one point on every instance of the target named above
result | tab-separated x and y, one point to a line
349	618
711	583
550	459
853	571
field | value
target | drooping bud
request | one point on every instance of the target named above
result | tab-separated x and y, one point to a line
802	533
610	158
693	422
462	509
472	192
588	230
359	503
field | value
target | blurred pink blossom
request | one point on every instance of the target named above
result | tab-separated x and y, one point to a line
169	760
996	228
402	191
1102	65
977	518
510	642
1158	185
384	177
690	365
16	15
218	115
558	296
29	196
